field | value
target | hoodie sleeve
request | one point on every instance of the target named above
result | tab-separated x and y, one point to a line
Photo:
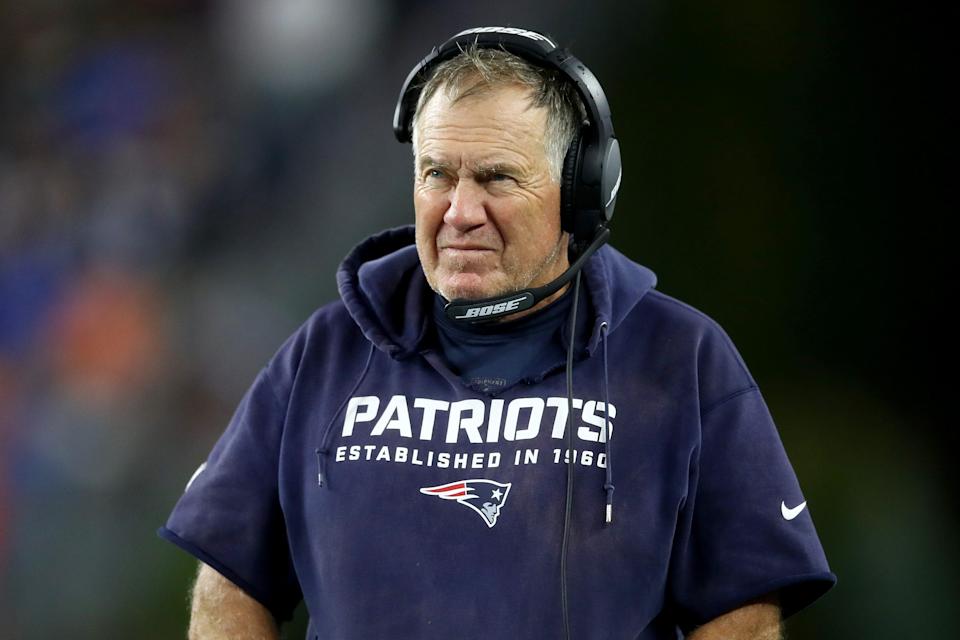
742	532
229	515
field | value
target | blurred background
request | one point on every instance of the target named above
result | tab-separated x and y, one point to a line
179	180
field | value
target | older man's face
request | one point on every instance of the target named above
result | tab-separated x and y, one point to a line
487	209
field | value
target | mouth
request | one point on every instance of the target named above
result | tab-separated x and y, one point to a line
465	250
465	247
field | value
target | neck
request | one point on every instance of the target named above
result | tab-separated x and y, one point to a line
546	302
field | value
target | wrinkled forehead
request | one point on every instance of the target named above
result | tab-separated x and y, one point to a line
499	116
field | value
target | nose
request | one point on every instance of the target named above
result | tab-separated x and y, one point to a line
467	208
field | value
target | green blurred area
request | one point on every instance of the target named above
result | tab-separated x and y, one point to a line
780	175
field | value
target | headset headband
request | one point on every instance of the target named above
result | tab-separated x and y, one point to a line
529	45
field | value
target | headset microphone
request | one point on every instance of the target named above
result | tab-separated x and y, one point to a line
491	308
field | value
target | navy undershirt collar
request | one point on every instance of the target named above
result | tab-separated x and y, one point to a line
490	357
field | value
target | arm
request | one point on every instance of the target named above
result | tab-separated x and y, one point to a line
222	611
757	620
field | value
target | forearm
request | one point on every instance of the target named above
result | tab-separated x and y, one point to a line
758	620
222	611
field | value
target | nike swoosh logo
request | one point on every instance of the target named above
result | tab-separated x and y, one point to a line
194	476
790	514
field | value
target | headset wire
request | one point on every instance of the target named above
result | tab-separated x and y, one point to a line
568	512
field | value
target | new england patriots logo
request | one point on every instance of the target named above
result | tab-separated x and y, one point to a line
486	497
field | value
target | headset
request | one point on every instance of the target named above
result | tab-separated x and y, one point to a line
591	173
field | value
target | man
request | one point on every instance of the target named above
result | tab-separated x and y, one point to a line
412	473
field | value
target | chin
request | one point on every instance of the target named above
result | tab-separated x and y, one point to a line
463	293
467	290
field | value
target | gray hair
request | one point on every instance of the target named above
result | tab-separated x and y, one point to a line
475	71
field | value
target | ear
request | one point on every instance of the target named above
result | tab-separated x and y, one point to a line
568	184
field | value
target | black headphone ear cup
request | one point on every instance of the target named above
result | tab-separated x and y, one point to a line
569	177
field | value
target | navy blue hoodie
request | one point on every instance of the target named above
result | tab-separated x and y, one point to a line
360	474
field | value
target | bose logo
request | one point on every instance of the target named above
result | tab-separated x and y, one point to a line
491	309
511	30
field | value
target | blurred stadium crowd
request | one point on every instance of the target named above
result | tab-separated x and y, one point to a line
150	152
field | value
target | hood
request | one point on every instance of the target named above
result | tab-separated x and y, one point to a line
384	290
